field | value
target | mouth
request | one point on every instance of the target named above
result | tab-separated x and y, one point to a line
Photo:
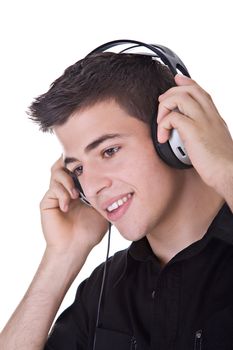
117	208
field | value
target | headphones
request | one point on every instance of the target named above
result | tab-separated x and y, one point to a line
172	152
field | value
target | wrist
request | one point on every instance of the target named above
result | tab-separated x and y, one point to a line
224	185
67	262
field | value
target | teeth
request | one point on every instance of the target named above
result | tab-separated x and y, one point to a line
119	203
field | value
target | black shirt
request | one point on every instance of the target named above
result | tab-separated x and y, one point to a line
188	304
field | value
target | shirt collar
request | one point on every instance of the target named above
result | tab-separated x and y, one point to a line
222	225
220	228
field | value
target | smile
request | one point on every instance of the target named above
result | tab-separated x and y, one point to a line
119	202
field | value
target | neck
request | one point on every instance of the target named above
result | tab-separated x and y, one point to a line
188	219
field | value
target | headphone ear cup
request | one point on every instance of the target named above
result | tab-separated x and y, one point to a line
172	152
166	153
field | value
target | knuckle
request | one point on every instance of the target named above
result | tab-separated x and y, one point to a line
41	204
58	164
53	167
203	92
208	96
184	94
56	176
54	173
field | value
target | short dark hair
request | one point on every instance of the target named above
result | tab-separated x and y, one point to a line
134	81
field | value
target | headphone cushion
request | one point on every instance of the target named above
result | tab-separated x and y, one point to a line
166	153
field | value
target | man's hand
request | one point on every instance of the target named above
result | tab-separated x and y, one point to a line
204	133
71	230
68	224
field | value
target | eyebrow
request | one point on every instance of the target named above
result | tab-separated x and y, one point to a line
94	144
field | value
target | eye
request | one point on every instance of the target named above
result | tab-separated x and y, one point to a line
78	170
108	153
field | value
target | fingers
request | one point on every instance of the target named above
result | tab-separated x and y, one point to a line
188	96
174	120
58	164
56	197
181	101
183	107
62	175
61	190
195	90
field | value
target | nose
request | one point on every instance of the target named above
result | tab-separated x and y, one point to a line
94	180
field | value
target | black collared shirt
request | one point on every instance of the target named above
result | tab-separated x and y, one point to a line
188	304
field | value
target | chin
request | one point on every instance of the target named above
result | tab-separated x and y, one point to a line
132	233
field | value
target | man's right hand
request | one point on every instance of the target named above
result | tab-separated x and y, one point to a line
71	229
70	226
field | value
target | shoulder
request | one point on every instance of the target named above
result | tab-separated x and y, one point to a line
222	225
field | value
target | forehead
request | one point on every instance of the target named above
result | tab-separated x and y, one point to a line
84	126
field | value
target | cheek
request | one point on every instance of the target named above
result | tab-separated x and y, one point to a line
141	167
141	161
147	166
155	180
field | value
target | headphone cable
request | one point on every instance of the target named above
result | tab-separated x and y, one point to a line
102	284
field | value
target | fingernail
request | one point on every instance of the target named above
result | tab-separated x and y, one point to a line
179	75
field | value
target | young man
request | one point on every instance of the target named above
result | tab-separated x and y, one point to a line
173	288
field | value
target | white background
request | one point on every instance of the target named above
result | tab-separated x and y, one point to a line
39	39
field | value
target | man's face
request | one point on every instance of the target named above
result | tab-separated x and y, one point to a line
118	168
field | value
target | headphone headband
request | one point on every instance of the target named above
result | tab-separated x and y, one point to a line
167	56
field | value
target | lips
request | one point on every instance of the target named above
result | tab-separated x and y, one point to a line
116	207
111	201
119	202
